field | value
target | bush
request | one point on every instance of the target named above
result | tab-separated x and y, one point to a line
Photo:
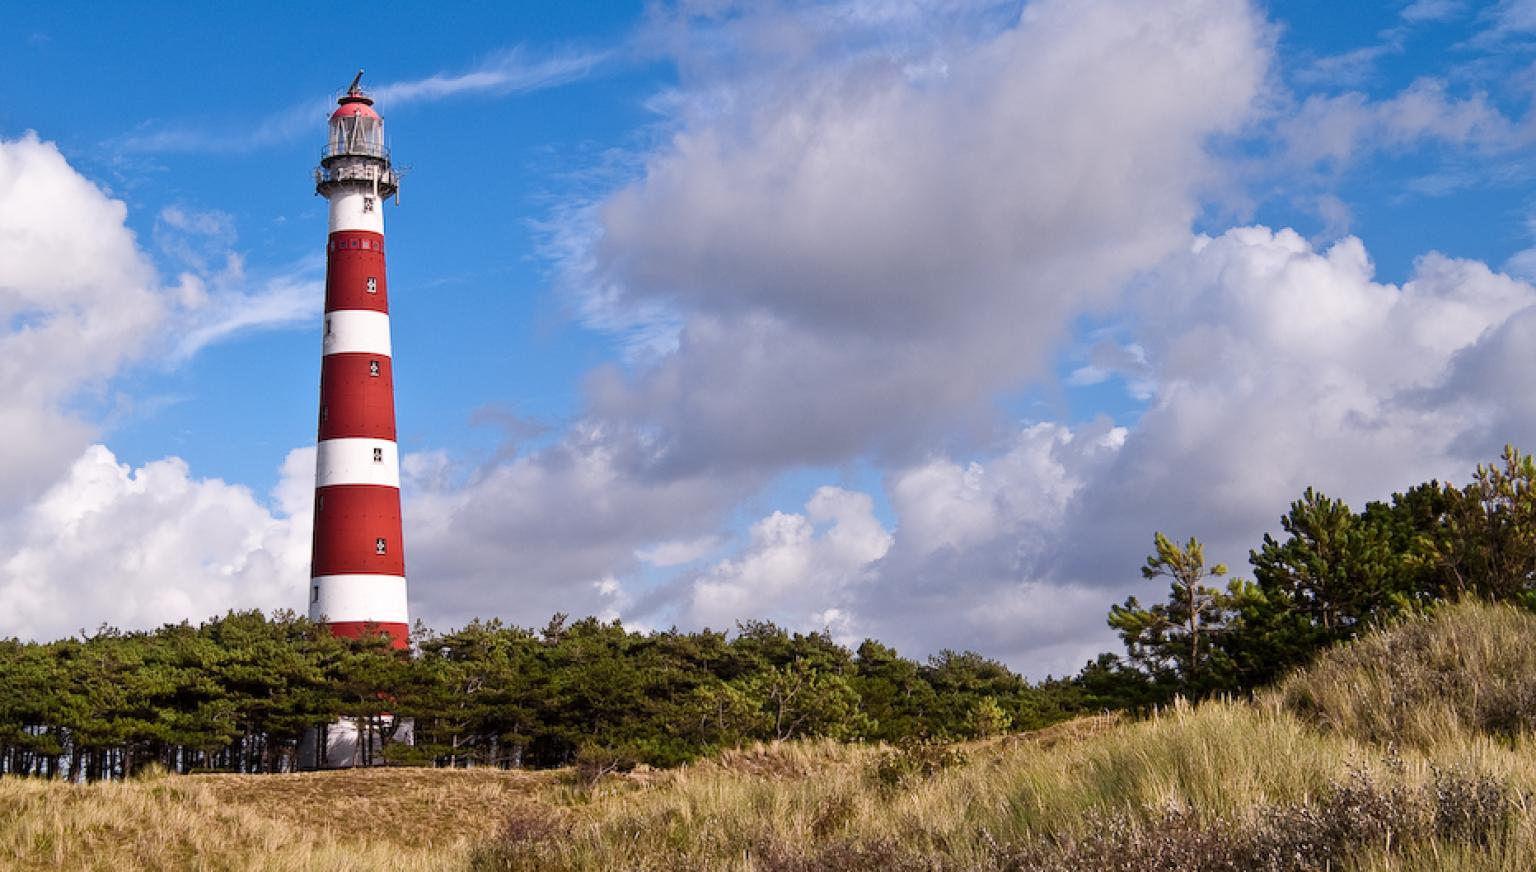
916	760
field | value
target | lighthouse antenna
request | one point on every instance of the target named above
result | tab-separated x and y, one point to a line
353	88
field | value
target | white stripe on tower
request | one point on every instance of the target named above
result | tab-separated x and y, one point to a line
349	211
356	331
351	460
359	598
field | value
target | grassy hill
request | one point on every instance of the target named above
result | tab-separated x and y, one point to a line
1408	750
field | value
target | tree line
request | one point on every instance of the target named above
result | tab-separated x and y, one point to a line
237	692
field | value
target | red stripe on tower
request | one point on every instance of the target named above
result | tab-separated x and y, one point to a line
357	565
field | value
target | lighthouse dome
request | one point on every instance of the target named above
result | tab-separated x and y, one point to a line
352	107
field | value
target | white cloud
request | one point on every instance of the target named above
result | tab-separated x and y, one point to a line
139	547
506	72
218	298
856	257
1505	20
84	538
510	71
797	567
678	553
1420	11
233	307
1274	366
1280	367
77	301
1341	128
538	534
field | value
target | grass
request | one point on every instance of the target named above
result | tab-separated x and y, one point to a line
1223	786
1465	669
1407	751
366	820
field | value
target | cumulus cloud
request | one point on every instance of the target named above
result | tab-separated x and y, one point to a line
1272	366
1277	367
139	547
857	251
80	302
965	567
551	531
77	300
797	566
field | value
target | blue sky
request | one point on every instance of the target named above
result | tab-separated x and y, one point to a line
910	320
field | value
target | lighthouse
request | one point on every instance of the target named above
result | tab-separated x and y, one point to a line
357	566
357	557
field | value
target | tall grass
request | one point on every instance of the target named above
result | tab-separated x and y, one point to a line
323	821
1465	669
1420	763
1224	766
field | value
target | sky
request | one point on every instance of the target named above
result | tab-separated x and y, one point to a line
909	320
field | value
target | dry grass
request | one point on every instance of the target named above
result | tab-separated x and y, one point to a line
382	819
1225	786
1466	669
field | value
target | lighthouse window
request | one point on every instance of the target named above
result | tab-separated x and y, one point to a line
324	413
373	285
314	594
373	368
378	455
367	204
327	326
380	546
356	243
320	503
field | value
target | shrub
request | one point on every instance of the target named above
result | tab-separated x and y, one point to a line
916	760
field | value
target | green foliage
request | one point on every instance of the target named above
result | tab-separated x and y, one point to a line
1334	574
987	718
238	692
1175	642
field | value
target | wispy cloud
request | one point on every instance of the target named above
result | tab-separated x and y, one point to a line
509	72
512	71
1433	10
283	301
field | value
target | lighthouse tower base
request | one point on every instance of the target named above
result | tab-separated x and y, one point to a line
352	742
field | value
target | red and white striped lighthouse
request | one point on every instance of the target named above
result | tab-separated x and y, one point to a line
357	568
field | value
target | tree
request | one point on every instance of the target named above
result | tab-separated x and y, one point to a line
1172	641
893	693
1488	543
1334	570
988	719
